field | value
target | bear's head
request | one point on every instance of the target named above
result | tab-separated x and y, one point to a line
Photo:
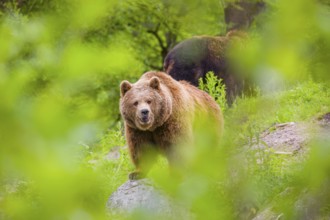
146	104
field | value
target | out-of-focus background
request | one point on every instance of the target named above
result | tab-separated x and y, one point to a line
61	139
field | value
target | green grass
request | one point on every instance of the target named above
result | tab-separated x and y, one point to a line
250	116
114	171
232	178
259	183
303	102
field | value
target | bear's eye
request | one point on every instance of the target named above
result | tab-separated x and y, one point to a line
149	101
136	103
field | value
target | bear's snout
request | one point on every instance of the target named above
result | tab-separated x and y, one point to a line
145	115
144	112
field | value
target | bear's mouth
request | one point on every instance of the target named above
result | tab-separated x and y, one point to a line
144	119
144	122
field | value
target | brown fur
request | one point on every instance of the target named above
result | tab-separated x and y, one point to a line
173	106
193	58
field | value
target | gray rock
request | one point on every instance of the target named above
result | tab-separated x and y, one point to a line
267	214
114	154
292	137
142	195
286	138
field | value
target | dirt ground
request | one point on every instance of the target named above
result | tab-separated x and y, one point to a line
293	137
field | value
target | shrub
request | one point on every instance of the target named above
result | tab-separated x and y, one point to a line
215	87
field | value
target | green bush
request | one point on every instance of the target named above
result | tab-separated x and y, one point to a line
215	88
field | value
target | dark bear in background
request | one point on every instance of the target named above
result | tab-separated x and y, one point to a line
193	58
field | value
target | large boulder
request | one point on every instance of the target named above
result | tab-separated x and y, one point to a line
143	195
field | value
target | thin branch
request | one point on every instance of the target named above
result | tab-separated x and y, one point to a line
156	35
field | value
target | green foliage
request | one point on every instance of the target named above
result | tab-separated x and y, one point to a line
215	88
61	63
152	28
109	156
58	92
286	50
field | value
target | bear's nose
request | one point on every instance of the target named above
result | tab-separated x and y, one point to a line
144	112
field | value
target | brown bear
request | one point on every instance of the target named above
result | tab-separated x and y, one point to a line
240	14
158	113
193	58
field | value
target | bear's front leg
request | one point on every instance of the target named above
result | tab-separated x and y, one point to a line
142	152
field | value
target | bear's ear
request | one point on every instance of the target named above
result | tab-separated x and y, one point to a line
124	87
154	82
